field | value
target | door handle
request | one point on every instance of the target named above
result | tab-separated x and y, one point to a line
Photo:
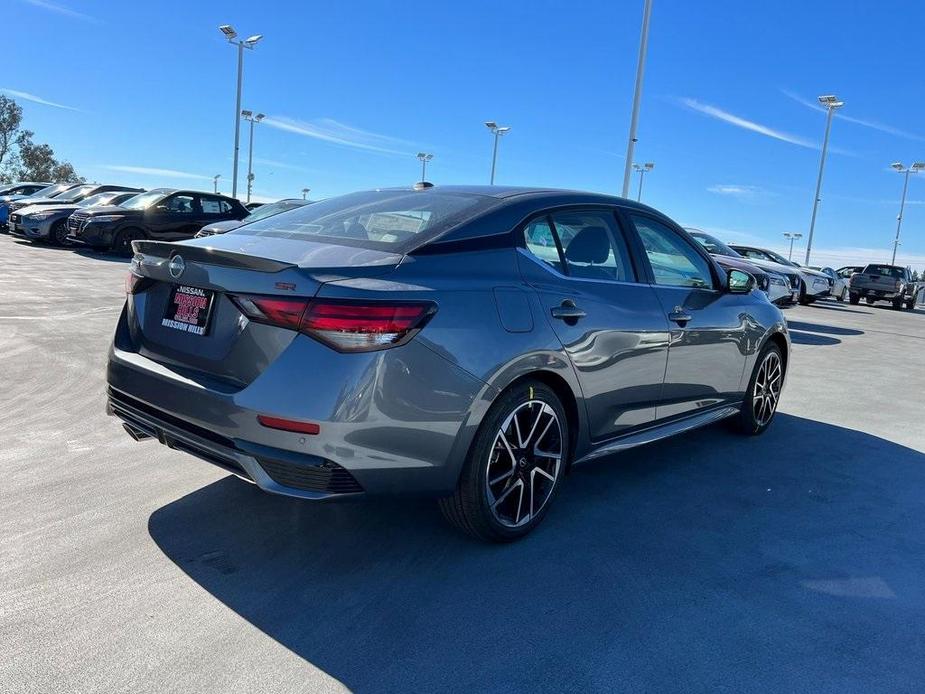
679	316
568	312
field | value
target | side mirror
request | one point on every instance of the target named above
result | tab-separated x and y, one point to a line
739	282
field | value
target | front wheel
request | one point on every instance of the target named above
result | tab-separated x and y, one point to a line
910	305
763	392
514	467
854	299
58	233
122	244
841	297
897	304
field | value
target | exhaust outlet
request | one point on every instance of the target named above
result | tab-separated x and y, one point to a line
135	432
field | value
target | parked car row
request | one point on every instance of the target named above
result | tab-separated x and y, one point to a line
111	217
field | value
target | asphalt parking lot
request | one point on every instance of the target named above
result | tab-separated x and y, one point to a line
793	562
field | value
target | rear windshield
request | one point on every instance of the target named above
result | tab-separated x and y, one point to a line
888	270
390	220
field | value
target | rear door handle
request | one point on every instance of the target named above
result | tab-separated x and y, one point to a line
568	312
679	316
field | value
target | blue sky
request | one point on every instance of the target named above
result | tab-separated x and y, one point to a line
143	93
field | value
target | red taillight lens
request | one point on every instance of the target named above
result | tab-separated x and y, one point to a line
275	310
136	283
347	326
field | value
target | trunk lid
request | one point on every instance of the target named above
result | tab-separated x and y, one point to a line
232	348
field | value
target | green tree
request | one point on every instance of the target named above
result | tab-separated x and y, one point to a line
21	159
10	120
36	162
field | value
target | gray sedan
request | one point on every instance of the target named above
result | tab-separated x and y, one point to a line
48	223
469	343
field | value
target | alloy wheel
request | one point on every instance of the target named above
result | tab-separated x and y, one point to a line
767	389
524	463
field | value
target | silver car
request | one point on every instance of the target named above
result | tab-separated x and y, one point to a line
469	343
813	284
48	223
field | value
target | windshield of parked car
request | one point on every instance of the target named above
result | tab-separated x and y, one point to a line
382	219
713	244
51	191
99	199
271	209
888	270
75	193
144	200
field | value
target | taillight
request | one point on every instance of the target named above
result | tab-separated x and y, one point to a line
344	325
136	283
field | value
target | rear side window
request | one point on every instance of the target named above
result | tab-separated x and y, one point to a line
674	261
586	244
214	206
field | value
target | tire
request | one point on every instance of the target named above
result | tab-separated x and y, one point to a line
841	297
854	299
763	393
868	301
122	243
57	235
910	305
897	304
483	504
804	299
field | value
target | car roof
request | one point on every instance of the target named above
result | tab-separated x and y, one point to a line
527	192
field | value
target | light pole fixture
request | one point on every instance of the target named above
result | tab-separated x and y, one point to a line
831	102
249	42
643	169
424	157
792	237
497	131
915	168
252	118
215	182
305	192
637	95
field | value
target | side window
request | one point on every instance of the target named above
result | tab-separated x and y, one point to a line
180	204
211	205
674	261
593	245
542	243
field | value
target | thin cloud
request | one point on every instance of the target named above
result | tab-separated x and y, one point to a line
745	124
330	130
26	96
875	125
738	191
61	9
152	171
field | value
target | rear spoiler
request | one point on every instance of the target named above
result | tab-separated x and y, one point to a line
210	256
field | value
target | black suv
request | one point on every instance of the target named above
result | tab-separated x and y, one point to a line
162	214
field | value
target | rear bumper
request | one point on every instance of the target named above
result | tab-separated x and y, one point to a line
878	294
392	422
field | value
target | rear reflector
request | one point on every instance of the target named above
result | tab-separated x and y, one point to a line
288	424
344	325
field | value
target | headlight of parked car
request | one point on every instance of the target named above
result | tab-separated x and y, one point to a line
105	218
37	216
779	281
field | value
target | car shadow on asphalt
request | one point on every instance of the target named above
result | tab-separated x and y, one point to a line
820	328
707	561
836	307
802	338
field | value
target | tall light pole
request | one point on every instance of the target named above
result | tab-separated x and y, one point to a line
305	192
215	182
249	42
831	103
497	131
915	168
643	169
424	157
637	95
792	237
252	118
